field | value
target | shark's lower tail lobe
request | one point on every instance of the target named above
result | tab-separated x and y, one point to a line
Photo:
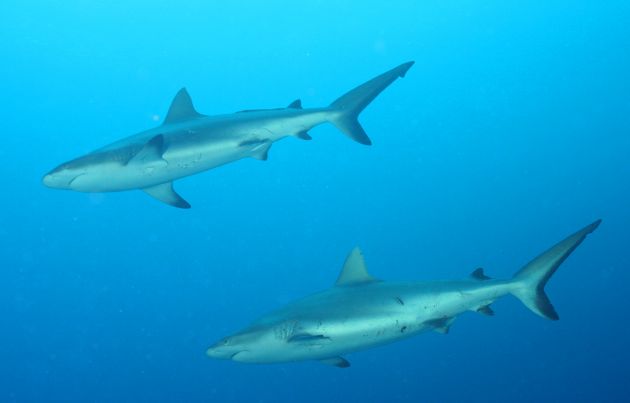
529	282
346	109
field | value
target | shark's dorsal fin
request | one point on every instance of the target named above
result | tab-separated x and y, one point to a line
181	108
354	270
297	104
165	193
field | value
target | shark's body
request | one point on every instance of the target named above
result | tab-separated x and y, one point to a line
360	312
188	142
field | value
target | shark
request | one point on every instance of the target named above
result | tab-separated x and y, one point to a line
187	142
361	311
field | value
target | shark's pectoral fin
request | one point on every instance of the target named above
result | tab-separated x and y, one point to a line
165	193
338	362
151	153
441	325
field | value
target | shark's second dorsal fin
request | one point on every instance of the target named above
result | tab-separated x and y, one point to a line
297	104
478	274
354	270
181	108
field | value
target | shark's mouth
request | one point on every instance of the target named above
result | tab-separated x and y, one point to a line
233	356
74	179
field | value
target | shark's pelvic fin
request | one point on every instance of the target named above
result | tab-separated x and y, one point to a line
347	108
253	142
478	274
150	153
354	270
485	310
261	152
338	362
165	193
529	282
441	325
297	104
181	108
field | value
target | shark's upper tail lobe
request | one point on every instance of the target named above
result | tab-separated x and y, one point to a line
346	109
529	282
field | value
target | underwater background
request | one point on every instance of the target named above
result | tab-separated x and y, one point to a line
511	131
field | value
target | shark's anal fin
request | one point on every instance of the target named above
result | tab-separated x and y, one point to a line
165	193
181	108
303	135
485	310
150	153
478	274
338	362
354	271
440	325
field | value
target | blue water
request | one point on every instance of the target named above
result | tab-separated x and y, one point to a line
511	131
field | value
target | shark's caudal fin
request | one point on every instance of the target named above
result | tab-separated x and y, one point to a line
348	106
530	281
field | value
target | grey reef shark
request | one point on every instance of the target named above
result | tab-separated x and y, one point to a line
360	311
188	142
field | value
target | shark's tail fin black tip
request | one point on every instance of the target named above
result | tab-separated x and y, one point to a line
530	281
346	109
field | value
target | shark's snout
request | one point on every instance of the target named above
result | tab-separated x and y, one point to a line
226	349
61	177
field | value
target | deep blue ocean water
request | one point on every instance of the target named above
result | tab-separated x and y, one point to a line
511	131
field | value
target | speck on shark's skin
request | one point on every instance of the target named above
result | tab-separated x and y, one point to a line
360	311
188	142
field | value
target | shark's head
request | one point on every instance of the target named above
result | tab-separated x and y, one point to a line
89	173
269	342
66	175
245	346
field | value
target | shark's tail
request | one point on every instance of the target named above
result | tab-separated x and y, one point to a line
529	282
346	109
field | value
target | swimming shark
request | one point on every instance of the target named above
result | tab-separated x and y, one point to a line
188	142
361	311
